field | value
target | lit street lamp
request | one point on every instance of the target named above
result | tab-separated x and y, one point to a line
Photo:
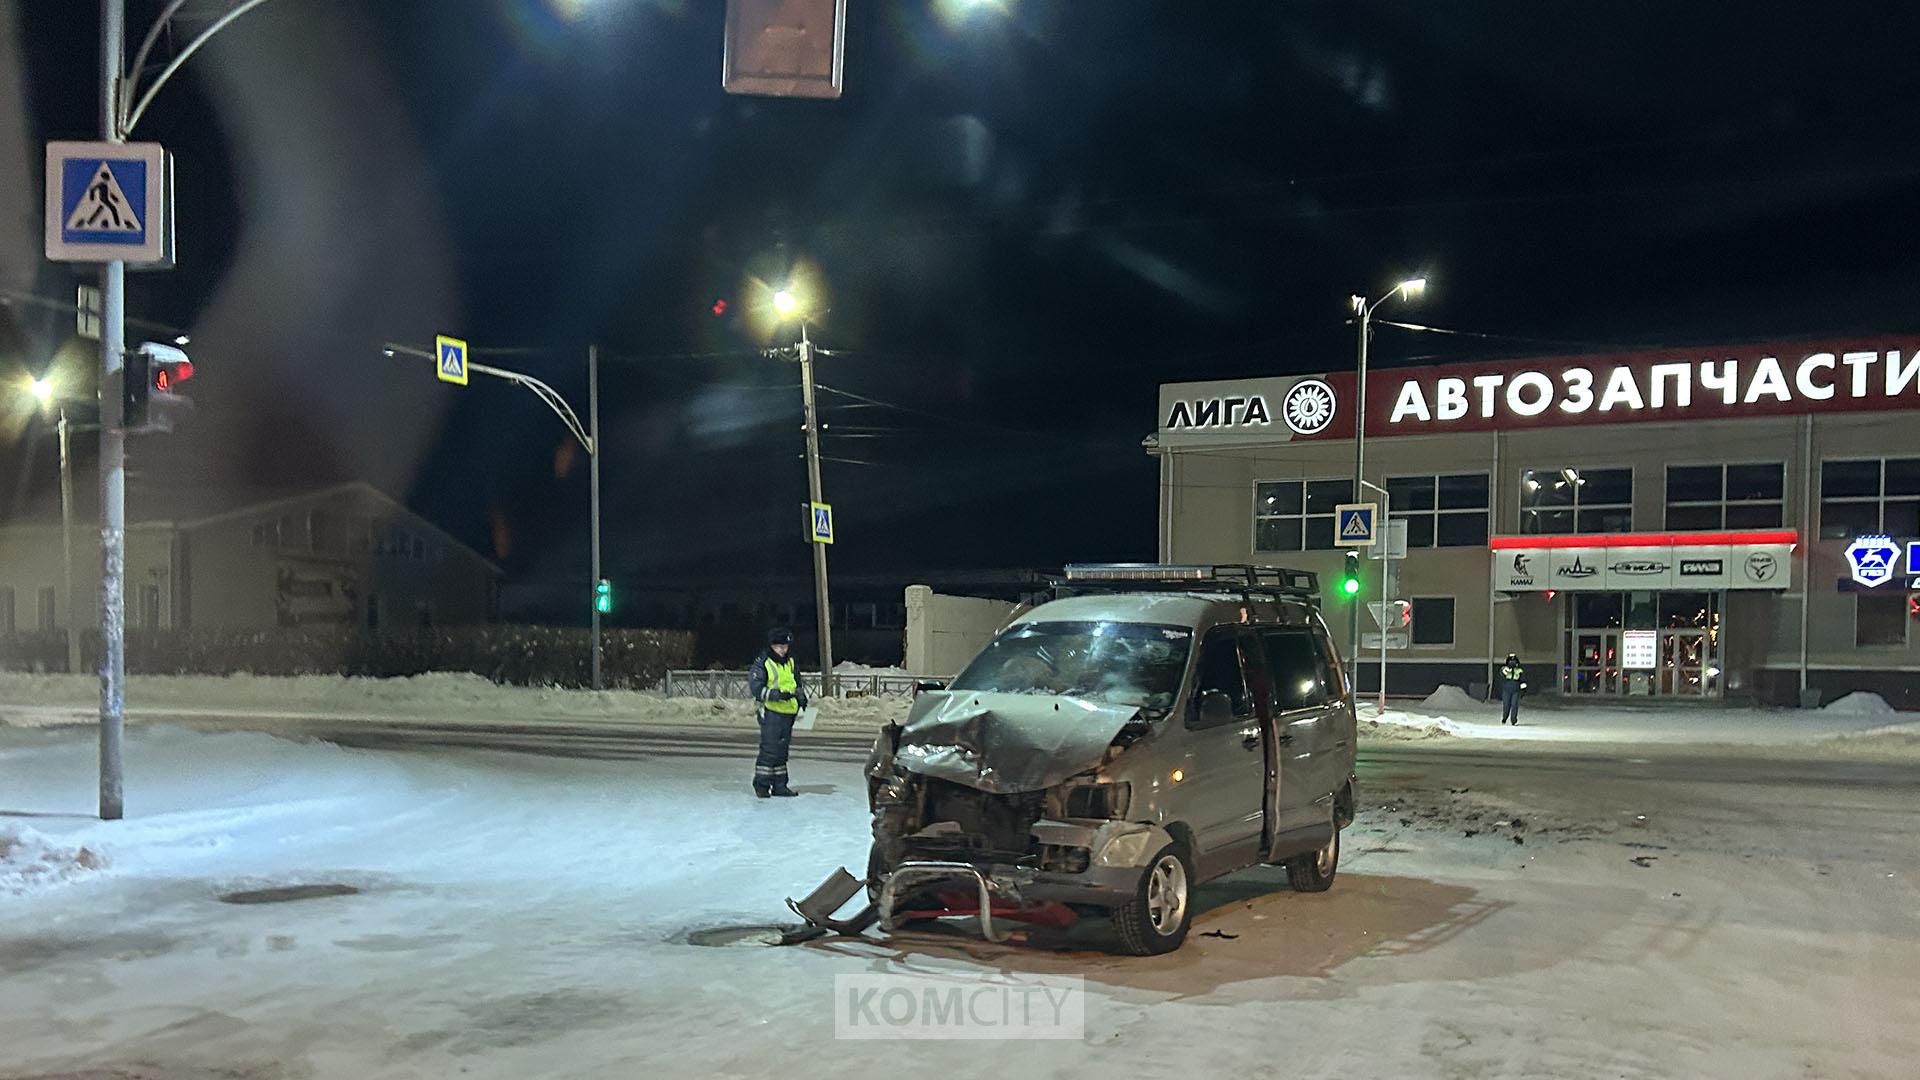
1406	290
788	305
42	390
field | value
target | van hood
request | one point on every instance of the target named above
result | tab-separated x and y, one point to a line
1007	743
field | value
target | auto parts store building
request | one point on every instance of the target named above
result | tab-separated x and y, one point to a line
1733	522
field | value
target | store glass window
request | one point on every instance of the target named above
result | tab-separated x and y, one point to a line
1296	515
1433	620
1880	620
1751	496
1575	500
1446	510
1869	495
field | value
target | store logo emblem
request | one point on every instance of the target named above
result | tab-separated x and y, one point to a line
1308	407
1761	566
1872	559
1522	569
1638	567
1577	570
1705	567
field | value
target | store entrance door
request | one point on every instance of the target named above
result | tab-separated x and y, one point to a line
1685	659
1596	662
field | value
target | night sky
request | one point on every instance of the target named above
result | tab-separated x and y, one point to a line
1021	219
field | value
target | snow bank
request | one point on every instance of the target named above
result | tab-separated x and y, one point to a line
1860	703
1449	696
1394	726
848	667
29	860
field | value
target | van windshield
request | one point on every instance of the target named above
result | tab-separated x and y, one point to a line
1111	662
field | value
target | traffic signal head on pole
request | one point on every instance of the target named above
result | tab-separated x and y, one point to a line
603	596
1350	575
151	384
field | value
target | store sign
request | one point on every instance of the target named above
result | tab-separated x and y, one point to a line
1913	557
1740	381
1640	650
1873	560
1628	562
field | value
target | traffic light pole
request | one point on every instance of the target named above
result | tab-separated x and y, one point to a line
823	614
113	451
588	434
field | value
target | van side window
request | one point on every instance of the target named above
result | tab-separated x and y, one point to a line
1332	673
1295	668
1219	670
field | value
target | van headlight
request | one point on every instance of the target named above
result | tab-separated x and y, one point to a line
1107	801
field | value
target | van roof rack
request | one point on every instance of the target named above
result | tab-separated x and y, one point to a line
1270	582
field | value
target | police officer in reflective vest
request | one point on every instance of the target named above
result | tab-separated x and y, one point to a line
776	686
1511	683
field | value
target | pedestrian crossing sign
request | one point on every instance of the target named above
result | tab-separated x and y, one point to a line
822	532
1353	524
109	202
452	359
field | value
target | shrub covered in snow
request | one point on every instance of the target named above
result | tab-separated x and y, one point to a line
518	655
1860	703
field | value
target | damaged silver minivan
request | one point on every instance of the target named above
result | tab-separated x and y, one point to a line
1156	727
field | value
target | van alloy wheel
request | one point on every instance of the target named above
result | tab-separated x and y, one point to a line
1156	919
1167	895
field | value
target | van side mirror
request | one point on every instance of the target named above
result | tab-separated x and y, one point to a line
921	686
1215	708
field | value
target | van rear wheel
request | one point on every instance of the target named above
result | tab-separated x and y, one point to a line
1156	920
1313	872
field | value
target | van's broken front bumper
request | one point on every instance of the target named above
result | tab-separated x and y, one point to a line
1097	863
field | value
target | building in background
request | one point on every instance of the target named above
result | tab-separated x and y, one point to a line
336	556
1735	521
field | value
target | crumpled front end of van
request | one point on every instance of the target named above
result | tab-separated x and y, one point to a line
1015	786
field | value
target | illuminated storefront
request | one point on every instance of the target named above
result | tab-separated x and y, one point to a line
1689	523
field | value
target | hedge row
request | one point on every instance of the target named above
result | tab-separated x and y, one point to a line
520	655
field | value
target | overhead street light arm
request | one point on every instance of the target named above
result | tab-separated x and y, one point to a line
540	390
130	117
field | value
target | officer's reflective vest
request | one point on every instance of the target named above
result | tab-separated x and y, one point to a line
781	677
1511	674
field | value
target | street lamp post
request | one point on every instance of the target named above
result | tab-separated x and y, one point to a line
43	391
788	305
1406	290
66	546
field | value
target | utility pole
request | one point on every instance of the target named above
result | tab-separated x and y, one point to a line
593	474
822	613
113	449
66	544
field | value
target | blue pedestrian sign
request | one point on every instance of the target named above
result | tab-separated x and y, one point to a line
1353	524
108	202
1913	557
452	354
822	532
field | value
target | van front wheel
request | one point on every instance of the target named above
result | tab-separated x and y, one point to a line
1156	920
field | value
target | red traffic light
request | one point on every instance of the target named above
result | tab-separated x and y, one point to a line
720	306
166	376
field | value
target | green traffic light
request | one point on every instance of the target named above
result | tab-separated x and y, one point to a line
1350	586
603	597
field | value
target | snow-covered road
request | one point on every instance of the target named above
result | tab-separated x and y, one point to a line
1496	915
